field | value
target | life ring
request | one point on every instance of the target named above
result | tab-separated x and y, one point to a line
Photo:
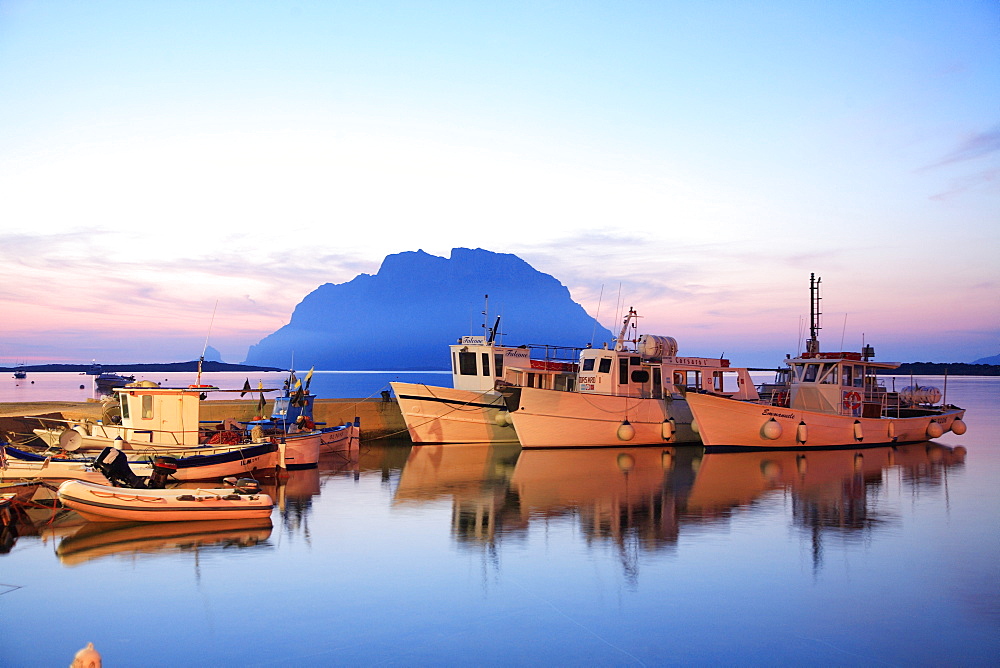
852	401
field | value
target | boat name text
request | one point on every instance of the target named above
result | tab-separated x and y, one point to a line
767	411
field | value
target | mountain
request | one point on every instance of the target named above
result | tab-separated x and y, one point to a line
995	359
406	315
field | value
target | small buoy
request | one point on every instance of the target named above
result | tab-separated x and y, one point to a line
771	430
959	427
88	657
934	430
667	429
626	462
626	432
801	433
859	435
81	387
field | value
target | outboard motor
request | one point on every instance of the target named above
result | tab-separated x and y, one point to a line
247	486
163	468
114	466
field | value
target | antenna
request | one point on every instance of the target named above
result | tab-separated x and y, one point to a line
812	345
205	347
486	311
594	333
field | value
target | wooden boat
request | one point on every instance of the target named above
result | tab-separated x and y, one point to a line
166	420
103	503
50	468
630	394
825	400
472	410
206	463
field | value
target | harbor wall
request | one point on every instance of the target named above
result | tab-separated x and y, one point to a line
379	419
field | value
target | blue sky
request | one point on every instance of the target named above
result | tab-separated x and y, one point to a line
157	159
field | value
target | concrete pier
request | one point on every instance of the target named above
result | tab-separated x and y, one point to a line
379	419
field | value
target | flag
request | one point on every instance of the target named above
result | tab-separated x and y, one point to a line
246	387
309	377
260	405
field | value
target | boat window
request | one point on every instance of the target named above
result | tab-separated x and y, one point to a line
859	375
531	379
622	371
147	407
467	364
486	364
498	364
828	374
605	366
640	376
124	403
588	364
810	374
847	375
657	383
635	361
454	364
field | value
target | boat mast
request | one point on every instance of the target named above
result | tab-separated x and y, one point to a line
620	341
812	345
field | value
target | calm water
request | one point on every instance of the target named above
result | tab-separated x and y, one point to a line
492	556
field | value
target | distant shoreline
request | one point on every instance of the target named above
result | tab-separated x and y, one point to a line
916	368
169	366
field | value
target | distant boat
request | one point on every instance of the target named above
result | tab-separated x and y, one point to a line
103	503
107	381
825	400
20	372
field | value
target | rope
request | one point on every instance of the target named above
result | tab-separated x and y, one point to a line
437	417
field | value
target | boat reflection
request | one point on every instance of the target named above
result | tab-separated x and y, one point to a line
95	540
475	477
642	498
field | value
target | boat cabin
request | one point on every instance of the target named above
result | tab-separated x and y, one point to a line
838	383
160	415
477	364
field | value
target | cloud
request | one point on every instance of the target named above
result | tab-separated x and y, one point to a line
977	146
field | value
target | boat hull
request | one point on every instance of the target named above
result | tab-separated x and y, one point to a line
729	424
102	503
556	419
440	415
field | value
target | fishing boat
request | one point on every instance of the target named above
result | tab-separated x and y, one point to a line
20	372
14	468
166	420
472	410
825	400
206	463
632	393
104	503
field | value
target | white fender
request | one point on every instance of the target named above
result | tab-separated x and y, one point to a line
934	430
502	419
892	430
626	432
859	434
771	430
801	432
959	427
667	429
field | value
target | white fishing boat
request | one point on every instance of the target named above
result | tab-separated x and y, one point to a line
825	400
103	503
632	393
472	410
166	420
54	468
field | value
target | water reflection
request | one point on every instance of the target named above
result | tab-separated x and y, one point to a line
640	499
95	540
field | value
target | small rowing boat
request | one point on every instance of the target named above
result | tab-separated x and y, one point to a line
103	503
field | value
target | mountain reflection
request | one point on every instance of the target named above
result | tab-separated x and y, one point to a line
641	499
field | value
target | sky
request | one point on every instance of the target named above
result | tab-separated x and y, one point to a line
176	172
